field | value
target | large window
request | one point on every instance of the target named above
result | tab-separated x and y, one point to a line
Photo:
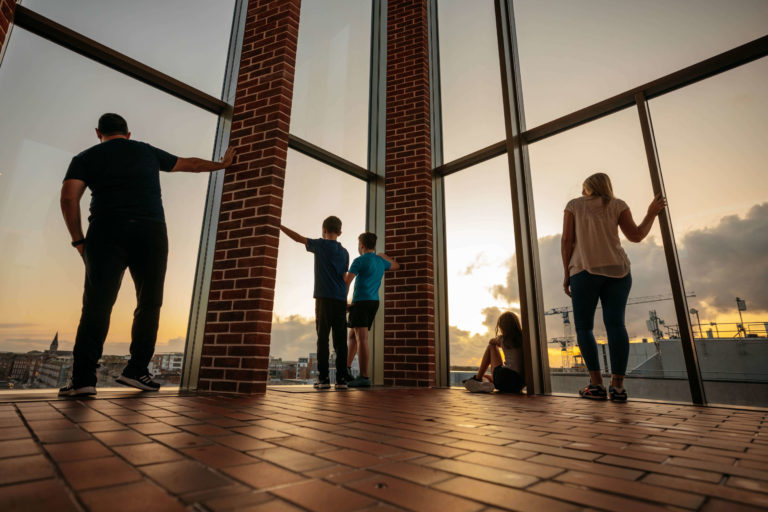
718	194
472	111
482	281
313	191
559	165
330	91
51	99
574	54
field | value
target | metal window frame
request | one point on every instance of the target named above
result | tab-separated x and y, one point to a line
193	348
78	43
536	360
439	247
515	145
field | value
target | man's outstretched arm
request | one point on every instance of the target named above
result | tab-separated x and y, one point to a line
200	165
393	264
71	193
293	235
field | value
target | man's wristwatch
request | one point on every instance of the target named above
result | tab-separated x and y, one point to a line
78	242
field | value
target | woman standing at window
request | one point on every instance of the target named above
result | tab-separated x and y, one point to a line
597	268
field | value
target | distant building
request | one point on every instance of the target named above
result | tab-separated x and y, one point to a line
54	372
166	362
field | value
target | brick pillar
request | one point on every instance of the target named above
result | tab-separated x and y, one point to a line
235	355
409	323
6	15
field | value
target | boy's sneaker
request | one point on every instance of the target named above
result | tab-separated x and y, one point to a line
322	384
617	395
594	392
341	385
72	391
475	385
143	382
360	382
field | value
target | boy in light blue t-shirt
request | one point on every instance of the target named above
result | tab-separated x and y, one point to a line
369	269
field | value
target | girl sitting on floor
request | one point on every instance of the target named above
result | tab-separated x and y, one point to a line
507	376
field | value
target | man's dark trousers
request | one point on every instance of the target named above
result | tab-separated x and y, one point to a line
331	315
112	246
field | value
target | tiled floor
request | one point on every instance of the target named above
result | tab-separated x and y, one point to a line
391	449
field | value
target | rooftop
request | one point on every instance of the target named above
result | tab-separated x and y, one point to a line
383	449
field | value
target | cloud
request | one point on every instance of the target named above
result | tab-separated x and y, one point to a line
467	348
293	337
729	260
480	261
16	326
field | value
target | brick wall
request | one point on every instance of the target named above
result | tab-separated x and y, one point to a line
409	328
6	15
235	355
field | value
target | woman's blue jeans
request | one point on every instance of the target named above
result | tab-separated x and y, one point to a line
612	292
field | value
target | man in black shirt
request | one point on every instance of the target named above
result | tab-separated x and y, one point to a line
126	230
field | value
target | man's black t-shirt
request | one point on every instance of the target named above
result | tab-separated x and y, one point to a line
124	179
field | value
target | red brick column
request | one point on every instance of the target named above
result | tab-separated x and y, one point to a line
6	15
235	354
409	323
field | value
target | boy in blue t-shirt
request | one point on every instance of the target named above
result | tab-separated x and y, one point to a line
369	268
331	262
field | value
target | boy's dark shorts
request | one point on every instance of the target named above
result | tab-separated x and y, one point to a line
507	380
362	313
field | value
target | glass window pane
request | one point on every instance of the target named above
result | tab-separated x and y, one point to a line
559	165
330	91
470	81
574	54
304	209
186	39
480	244
51	100
711	139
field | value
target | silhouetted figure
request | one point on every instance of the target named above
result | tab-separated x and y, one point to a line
597	268
126	230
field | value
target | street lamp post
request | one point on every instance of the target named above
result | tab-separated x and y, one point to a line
695	311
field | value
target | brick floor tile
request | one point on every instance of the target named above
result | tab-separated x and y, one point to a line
745	483
155	427
587	467
143	495
303	445
243	443
717	467
665	469
379	449
63	452
199	496
101	426
14	433
262	475
22	469
291	459
237	502
504	451
556	450
121	437
412	496
62	436
321	496
178	421
92	473
716	505
593	498
205	429
259	432
60	424
181	440
147	453
413	472
352	458
184	476
275	505
720	491
45	495
17	447
133	418
218	456
506	464
511	477
501	496
639	490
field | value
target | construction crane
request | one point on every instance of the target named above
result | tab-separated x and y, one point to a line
566	342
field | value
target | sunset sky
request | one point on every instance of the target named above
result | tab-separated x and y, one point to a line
711	139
